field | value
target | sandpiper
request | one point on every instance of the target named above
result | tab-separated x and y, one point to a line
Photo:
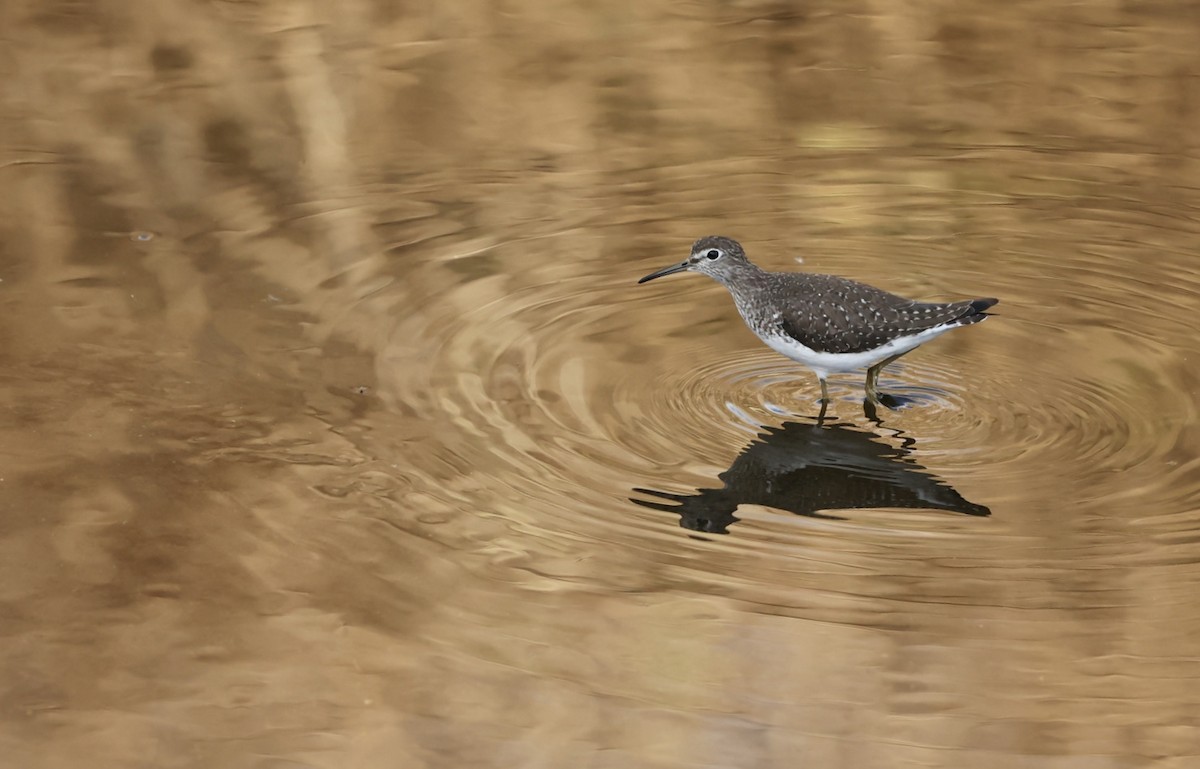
829	324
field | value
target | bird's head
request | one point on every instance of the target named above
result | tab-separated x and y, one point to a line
715	256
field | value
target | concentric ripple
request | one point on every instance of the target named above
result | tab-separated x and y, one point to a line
563	387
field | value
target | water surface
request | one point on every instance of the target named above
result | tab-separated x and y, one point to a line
337	433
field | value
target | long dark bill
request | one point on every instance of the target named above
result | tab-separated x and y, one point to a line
665	271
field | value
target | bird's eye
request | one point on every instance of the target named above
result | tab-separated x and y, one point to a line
713	254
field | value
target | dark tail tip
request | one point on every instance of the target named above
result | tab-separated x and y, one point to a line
979	305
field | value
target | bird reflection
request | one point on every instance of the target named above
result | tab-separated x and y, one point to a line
804	468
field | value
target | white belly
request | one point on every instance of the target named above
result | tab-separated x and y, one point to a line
825	363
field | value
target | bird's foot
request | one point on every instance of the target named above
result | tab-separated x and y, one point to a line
892	402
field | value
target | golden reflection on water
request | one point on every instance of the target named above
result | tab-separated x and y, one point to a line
327	386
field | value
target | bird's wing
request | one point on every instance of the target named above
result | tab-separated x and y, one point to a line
831	314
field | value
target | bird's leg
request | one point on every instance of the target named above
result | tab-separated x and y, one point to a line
873	378
873	383
824	398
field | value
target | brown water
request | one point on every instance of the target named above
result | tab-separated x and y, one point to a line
335	432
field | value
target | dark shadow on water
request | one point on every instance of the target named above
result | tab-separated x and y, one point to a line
895	401
890	402
804	468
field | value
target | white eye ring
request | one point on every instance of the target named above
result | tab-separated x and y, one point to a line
713	254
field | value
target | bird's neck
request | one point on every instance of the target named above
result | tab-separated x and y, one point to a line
742	279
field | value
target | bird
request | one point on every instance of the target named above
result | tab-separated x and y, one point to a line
827	323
